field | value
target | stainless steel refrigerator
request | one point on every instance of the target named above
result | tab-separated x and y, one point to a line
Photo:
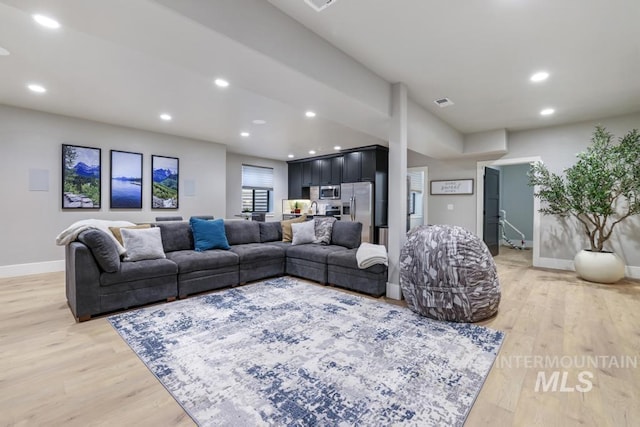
357	206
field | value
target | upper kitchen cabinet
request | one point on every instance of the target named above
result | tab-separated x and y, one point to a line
330	170
351	166
336	170
363	163
295	180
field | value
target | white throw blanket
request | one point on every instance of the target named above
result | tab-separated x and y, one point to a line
369	254
71	233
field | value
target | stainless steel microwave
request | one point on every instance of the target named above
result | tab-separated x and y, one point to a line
330	192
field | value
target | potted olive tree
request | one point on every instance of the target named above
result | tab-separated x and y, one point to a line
600	190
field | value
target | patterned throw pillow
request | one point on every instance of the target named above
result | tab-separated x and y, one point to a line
324	227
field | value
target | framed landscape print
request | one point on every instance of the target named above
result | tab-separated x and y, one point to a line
164	180
81	167
126	180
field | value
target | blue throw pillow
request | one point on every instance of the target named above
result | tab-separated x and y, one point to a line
209	234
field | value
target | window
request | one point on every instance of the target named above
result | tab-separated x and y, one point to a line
257	189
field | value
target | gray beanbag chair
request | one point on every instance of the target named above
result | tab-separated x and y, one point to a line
448	273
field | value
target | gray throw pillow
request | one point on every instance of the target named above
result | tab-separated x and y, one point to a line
324	227
303	232
141	244
103	248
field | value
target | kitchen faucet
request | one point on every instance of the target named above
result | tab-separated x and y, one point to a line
314	211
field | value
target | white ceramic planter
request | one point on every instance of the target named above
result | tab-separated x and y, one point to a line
599	267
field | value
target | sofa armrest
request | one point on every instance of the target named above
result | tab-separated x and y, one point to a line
82	278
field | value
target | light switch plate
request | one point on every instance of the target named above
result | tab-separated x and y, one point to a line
450	207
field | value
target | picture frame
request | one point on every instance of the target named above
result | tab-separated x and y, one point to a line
451	187
81	177
125	185
165	173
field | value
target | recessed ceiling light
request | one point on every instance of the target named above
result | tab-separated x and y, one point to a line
45	21
539	76
337	147
547	112
244	134
221	82
310	114
291	156
36	88
312	151
259	122
166	117
4	52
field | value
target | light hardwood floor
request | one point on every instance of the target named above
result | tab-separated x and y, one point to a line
54	371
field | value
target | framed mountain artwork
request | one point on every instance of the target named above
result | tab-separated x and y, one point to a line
81	174
164	182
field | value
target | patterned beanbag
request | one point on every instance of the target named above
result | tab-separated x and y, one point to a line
447	273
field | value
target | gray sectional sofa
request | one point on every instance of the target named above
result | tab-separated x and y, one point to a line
97	281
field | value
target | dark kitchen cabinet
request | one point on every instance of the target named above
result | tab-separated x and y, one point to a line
351	163
336	171
368	165
306	173
310	173
295	180
325	171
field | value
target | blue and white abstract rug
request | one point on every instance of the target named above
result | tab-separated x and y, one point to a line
288	353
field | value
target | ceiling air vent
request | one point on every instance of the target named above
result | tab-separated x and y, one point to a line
319	5
443	102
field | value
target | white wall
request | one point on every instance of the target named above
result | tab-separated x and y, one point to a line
234	183
32	140
452	209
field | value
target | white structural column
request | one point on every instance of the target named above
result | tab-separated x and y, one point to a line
397	185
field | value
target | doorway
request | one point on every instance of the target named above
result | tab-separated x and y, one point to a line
480	200
417	198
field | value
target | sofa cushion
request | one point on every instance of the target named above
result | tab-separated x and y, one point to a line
347	259
118	234
141	244
103	248
252	252
139	270
270	231
347	234
324	227
303	232
189	261
209	234
176	236
287	234
240	232
312	252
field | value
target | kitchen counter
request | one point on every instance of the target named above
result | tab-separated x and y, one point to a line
293	216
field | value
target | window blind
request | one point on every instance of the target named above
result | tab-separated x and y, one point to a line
417	181
257	178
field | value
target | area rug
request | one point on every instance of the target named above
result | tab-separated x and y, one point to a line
288	353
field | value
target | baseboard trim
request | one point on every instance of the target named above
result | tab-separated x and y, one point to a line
630	272
393	291
31	268
555	263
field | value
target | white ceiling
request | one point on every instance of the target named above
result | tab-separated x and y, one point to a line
125	62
